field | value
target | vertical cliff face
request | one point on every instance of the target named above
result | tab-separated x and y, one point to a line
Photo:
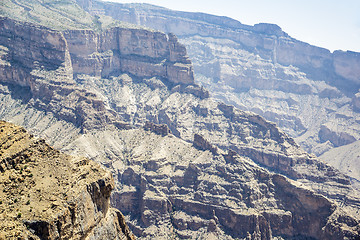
347	64
139	52
48	49
57	57
49	195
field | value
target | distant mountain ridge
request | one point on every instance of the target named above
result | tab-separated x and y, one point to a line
265	44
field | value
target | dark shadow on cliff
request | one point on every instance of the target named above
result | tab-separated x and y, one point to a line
18	92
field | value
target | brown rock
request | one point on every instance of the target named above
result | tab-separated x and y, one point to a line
66	197
161	129
201	143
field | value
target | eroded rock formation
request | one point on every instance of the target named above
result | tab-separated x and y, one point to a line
50	195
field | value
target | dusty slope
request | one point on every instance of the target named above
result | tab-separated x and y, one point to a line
339	157
49	195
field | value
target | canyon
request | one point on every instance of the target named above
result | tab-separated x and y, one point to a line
309	92
185	164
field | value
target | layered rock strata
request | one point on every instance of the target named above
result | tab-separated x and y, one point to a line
267	40
48	66
185	164
49	195
170	189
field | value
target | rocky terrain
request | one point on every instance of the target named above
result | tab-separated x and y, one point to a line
49	195
307	91
185	165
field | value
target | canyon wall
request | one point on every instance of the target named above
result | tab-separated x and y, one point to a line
260	68
185	165
267	40
48	66
142	53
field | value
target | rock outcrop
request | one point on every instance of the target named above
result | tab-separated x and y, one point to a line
356	102
201	143
337	139
161	129
50	195
268	40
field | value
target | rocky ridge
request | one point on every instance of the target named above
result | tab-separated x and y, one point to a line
203	187
262	69
50	195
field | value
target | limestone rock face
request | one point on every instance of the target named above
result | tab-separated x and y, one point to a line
260	68
49	195
338	139
347	65
48	68
267	40
163	182
139	52
211	194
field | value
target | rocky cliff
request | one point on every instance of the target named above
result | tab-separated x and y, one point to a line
49	195
48	66
266	40
149	54
300	87
185	165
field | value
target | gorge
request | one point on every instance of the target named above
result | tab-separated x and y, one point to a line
185	165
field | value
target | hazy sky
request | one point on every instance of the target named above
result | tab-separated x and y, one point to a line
332	24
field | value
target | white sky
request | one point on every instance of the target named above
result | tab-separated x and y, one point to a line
332	24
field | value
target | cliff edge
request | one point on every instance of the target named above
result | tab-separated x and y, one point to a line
50	195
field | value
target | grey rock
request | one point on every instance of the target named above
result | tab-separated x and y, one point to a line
258	184
262	69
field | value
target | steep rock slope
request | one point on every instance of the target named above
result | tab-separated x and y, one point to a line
308	91
49	195
99	113
169	188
